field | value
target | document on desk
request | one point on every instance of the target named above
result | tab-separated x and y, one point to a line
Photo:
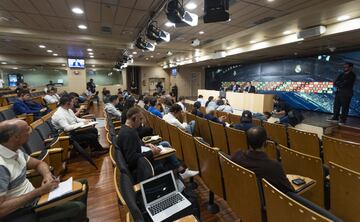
89	124
63	188
145	148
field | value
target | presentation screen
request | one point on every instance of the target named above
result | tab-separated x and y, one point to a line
304	83
76	63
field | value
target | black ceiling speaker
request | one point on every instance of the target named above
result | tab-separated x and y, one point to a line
216	11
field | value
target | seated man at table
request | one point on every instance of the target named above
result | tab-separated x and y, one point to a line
130	144
110	107
16	191
24	105
281	109
173	118
245	121
152	109
256	160
64	119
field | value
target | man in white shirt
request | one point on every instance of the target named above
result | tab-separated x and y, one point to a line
64	119
174	114
1	83
181	103
110	107
201	100
50	97
16	191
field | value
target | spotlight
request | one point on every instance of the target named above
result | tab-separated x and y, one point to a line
176	13
141	43
156	34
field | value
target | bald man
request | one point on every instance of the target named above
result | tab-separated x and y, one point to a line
16	191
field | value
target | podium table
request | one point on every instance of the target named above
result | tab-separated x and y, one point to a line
244	101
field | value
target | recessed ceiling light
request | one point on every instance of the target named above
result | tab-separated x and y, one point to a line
91	56
252	41
49	51
152	56
63	64
270	0
15	67
147	58
3	63
169	24
82	26
191	5
89	50
91	53
201	32
287	32
343	18
93	69
134	52
42	46
55	54
92	65
77	10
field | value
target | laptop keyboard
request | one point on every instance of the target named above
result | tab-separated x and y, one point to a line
163	205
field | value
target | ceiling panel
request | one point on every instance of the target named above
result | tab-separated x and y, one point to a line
122	15
135	17
127	3
61	8
41	21
26	6
107	14
9	5
143	4
43	7
92	11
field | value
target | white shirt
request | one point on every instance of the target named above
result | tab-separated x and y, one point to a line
182	106
171	119
13	181
51	99
65	119
111	109
225	108
1	83
202	101
211	106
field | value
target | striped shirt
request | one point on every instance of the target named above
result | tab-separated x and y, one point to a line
13	181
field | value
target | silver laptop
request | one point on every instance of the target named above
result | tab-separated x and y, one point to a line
161	196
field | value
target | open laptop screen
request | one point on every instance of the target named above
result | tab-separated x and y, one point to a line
158	187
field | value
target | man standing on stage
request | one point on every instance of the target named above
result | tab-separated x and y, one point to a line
344	91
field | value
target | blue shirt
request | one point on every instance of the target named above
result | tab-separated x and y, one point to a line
21	107
213	118
154	111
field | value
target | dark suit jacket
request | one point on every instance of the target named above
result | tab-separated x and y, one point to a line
251	90
263	167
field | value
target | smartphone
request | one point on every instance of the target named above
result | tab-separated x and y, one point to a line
298	181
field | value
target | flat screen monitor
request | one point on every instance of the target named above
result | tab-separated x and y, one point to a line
76	63
173	71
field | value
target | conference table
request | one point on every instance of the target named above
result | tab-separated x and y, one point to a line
244	101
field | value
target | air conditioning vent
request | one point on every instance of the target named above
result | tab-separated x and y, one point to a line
106	29
312	32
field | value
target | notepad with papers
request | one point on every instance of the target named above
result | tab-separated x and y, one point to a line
89	124
63	188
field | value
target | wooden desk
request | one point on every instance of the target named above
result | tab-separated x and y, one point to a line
43	204
189	218
164	153
299	189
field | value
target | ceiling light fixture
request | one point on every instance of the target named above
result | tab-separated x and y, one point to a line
252	41
92	65
91	53
151	56
201	32
3	63
155	33
147	58
343	18
89	50
270	0
49	51
63	64
287	32
55	54
77	11
42	46
91	56
191	6
83	27
169	24
143	44
176	13
15	68
134	52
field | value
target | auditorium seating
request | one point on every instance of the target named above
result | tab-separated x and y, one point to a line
344	192
234	118
189	150
175	141
242	191
344	153
279	207
276	132
236	139
210	169
218	135
305	165
304	142
164	130
221	113
204	129
271	150
8	113
256	122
